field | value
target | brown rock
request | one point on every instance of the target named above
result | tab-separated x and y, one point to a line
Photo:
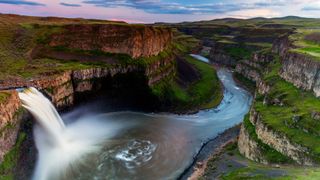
136	41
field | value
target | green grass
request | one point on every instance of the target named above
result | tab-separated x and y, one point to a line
296	103
11	159
3	96
260	44
204	93
270	154
244	174
256	171
33	31
238	52
208	86
305	46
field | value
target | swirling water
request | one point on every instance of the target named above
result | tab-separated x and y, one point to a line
132	145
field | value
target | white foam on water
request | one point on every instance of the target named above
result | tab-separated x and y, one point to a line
136	152
62	147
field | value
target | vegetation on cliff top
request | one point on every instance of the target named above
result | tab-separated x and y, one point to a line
203	93
20	34
270	154
231	165
295	118
306	41
3	96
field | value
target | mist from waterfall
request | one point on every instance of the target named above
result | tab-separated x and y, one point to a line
62	149
94	142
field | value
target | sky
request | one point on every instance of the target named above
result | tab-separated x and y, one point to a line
149	11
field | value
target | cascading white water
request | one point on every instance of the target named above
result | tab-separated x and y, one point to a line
94	144
61	147
45	113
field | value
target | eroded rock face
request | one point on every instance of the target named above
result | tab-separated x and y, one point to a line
249	71
253	68
282	45
279	141
9	122
302	71
249	148
263	87
218	55
61	87
136	41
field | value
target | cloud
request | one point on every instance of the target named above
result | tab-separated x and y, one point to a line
70	5
159	7
21	2
315	6
311	9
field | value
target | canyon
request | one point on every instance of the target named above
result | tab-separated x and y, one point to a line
72	63
75	61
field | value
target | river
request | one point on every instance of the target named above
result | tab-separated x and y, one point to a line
153	146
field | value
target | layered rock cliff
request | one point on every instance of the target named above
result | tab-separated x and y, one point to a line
220	56
277	98
276	141
10	117
300	69
252	69
136	40
61	87
249	147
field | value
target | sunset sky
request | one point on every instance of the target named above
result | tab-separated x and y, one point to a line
148	11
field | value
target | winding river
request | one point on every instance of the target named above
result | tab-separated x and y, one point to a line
152	146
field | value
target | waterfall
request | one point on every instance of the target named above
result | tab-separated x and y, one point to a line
44	112
62	147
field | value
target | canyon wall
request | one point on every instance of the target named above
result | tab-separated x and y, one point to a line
61	87
10	116
134	40
255	66
302	70
249	147
274	139
220	56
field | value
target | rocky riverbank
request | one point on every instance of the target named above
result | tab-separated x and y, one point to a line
208	150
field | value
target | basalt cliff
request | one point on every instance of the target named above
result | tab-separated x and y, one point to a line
70	60
285	106
135	40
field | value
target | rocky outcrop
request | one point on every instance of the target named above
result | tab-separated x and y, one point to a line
263	87
298	69
58	87
134	40
61	87
10	117
249	147
279	141
253	68
220	56
301	70
248	71
282	45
